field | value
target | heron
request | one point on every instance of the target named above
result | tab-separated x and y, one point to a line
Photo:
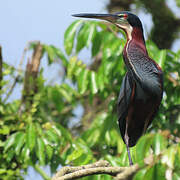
142	86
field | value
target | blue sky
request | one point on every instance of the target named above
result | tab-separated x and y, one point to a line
23	21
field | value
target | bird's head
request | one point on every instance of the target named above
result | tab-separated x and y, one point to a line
124	20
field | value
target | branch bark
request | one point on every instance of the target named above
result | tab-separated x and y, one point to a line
99	167
31	75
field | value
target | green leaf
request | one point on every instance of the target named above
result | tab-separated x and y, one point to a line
31	136
124	157
81	153
51	136
2	171
143	146
83	159
83	81
78	68
55	162
100	78
91	136
85	35
74	155
140	174
10	141
159	143
40	151
64	132
96	44
19	142
5	130
169	156
10	155
51	53
161	58
70	35
49	151
39	129
176	176
71	67
60	54
65	94
81	38
157	172
25	153
93	82
91	33
178	3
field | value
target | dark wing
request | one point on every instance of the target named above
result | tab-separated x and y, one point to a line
146	71
123	103
136	110
140	95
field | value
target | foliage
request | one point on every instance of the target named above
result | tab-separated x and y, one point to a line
42	135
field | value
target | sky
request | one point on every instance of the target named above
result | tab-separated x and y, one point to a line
45	20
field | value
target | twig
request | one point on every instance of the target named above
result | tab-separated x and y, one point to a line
19	69
11	89
100	167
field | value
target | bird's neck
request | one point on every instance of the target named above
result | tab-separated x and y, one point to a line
137	38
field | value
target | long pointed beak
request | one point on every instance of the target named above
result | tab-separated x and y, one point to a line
108	17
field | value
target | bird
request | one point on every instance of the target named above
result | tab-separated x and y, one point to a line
141	90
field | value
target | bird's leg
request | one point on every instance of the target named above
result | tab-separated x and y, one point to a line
127	146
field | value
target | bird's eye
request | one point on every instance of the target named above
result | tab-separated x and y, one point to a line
125	16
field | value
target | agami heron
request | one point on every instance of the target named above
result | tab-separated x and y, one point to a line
142	87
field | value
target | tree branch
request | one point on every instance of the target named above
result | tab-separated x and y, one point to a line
11	89
19	70
31	75
100	167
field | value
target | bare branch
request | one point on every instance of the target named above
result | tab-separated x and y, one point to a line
19	69
128	173
31	74
100	167
11	89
